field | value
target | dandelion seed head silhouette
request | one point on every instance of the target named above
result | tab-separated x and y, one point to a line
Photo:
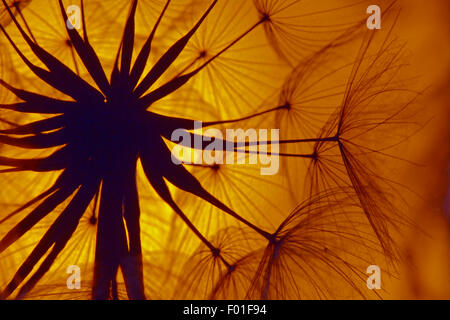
86	122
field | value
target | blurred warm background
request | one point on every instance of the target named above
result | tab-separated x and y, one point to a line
423	271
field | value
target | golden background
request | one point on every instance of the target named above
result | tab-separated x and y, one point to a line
255	74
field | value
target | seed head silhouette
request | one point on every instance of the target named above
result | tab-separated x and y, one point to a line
97	135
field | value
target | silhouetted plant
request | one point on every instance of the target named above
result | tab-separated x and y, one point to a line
100	135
